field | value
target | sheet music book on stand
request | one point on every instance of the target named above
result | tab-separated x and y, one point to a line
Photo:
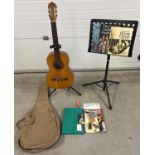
94	118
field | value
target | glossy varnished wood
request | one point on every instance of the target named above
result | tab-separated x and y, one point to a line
64	72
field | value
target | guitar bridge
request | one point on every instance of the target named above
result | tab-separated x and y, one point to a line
60	79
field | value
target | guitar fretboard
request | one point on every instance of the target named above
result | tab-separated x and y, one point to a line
55	43
54	33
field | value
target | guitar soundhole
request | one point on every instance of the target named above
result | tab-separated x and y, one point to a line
58	65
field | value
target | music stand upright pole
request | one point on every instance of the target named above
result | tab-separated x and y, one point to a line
105	82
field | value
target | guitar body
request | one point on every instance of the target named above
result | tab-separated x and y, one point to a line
59	78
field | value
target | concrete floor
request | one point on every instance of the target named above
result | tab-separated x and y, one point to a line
122	121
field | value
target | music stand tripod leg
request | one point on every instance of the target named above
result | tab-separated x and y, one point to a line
96	82
113	81
107	92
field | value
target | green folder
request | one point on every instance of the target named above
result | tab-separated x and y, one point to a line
70	121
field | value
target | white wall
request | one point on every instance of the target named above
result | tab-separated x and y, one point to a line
73	23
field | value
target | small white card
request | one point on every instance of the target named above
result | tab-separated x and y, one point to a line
79	127
104	126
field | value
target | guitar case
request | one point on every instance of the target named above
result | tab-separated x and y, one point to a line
40	128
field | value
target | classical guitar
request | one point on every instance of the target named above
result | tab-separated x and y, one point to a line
59	75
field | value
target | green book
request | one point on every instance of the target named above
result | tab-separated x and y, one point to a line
70	121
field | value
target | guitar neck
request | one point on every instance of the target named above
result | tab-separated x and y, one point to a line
54	33
55	42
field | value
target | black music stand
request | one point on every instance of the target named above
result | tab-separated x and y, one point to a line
103	27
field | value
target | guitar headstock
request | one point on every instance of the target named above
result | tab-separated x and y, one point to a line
52	10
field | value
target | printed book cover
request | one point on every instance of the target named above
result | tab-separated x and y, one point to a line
70	121
94	118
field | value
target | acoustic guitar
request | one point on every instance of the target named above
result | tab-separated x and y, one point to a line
59	75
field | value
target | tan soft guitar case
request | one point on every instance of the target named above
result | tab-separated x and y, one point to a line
39	129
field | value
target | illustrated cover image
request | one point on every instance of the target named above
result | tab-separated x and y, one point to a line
93	121
120	40
96	37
